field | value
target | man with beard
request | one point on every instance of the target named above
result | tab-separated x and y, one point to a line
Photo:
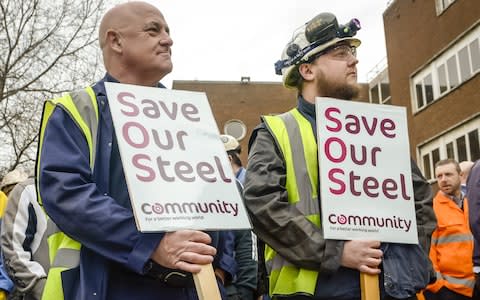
282	187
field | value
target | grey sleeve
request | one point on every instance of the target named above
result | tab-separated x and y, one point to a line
275	221
29	276
426	221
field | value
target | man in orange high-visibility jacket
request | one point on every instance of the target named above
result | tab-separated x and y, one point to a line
452	241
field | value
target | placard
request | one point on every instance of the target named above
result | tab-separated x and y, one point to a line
177	171
365	172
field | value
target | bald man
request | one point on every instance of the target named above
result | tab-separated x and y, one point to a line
90	203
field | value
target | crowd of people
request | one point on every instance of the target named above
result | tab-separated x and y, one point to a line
69	231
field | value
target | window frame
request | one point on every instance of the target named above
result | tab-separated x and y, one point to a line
446	60
443	141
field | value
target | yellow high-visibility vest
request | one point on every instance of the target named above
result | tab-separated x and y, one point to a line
296	140
64	252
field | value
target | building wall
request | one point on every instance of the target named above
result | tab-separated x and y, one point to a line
246	101
415	35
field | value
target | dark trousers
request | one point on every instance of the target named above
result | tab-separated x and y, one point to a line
476	289
313	298
445	294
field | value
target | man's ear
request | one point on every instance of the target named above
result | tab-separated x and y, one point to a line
114	40
306	71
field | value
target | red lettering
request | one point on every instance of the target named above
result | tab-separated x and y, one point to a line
354	124
189	111
341	189
136	161
203	169
183	168
122	99
388	186
353	179
404	187
329	117
387	125
328	153
370	183
143	134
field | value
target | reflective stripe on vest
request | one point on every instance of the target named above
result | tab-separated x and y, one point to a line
295	138
64	252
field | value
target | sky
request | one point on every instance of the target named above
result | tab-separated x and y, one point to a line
223	40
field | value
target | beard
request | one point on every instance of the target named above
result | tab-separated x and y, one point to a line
339	90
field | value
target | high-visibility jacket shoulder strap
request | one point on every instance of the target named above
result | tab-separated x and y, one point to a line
300	154
64	252
82	106
294	136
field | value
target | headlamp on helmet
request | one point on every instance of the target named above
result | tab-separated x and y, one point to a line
317	32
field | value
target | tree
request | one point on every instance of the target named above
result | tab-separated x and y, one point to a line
47	47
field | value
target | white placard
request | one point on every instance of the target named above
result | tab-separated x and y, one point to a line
365	172
177	171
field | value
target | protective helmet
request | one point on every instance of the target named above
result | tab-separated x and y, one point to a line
13	177
229	142
316	35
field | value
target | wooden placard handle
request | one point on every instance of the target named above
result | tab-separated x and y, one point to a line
206	284
369	287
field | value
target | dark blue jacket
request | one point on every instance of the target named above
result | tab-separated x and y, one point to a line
473	197
79	202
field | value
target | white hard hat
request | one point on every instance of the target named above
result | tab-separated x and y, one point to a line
316	35
13	177
229	142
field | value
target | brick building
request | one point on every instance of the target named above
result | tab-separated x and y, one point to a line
433	59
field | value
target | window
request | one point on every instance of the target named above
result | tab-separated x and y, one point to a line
380	88
235	128
385	90
455	66
461	143
464	60
427	168
442	79
474	145
435	156
374	96
424	91
461	149
443	5
428	84
475	53
419	93
450	151
452	71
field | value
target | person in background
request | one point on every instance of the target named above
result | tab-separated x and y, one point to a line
233	151
282	187
6	284
24	242
244	283
99	253
8	183
10	180
473	196
452	241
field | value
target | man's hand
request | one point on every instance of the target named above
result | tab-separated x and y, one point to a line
184	250
363	256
